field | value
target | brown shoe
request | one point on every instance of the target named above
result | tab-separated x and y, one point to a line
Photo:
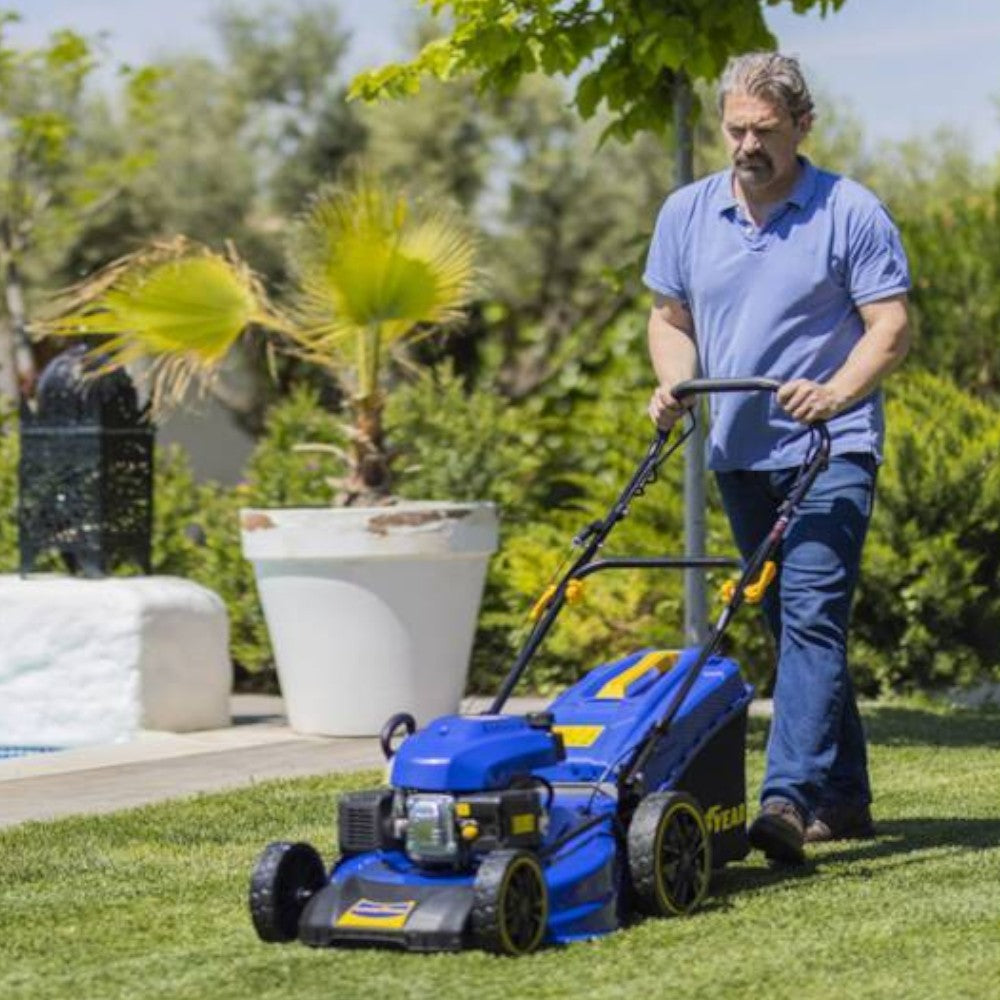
779	831
840	822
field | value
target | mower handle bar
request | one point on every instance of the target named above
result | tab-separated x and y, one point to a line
697	386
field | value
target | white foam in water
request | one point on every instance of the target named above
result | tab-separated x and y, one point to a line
94	661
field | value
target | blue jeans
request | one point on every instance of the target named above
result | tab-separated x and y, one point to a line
816	753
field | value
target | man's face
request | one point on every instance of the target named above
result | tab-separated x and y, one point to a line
762	140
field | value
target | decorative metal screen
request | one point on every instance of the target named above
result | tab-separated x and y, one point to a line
86	470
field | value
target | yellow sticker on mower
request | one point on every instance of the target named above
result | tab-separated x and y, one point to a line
382	916
578	736
661	660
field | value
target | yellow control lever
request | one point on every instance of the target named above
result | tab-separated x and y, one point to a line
753	593
574	594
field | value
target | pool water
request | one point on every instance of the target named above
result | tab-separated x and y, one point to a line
8	752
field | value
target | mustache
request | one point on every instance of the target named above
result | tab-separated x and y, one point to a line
752	160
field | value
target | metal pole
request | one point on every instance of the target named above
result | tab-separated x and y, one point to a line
695	598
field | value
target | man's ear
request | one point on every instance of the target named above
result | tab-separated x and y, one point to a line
805	123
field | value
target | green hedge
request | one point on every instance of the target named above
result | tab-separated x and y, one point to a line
928	608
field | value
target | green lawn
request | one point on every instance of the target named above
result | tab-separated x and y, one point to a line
151	903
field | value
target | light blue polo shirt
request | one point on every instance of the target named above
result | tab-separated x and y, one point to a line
780	301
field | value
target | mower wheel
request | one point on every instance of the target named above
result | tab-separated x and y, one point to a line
510	908
285	877
669	854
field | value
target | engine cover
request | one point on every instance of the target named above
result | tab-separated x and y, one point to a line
479	753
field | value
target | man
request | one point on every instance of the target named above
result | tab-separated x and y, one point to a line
776	268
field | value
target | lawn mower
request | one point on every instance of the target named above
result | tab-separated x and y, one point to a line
506	831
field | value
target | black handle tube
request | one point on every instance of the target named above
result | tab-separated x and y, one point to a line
646	748
656	453
538	633
814	464
700	386
658	562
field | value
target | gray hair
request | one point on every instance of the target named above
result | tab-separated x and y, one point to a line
767	75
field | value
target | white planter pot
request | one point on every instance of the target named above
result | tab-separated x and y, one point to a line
371	611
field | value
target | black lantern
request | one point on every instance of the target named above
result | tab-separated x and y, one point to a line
86	472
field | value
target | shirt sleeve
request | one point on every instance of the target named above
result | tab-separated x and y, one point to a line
665	270
877	267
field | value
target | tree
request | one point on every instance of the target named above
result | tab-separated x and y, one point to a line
235	147
561	235
632	55
283	66
49	183
237	144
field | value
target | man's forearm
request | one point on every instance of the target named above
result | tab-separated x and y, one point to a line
672	351
881	348
885	343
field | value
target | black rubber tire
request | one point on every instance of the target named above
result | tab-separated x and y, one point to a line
510	908
284	878
669	854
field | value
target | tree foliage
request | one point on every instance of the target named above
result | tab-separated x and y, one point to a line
51	179
625	54
955	257
282	67
237	143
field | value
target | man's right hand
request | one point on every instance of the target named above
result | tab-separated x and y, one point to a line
664	410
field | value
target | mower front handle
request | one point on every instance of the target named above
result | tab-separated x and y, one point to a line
698	386
707	386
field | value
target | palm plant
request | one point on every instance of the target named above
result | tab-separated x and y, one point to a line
370	269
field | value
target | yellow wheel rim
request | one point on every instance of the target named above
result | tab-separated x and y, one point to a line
683	862
523	906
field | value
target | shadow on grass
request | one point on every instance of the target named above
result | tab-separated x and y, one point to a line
738	879
913	835
913	841
893	726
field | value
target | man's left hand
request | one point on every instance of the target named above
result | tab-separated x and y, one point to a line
809	401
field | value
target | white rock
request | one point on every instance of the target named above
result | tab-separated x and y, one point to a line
94	661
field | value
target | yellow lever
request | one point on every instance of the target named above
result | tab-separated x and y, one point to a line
753	593
574	594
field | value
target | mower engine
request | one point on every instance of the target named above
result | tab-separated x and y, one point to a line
461	788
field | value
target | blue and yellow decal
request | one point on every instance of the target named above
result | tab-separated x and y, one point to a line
578	737
661	661
380	916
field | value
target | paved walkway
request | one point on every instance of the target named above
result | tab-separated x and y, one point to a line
158	766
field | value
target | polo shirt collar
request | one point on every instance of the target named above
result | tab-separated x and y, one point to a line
800	196
805	186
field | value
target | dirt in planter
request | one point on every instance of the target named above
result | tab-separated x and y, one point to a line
381	523
256	521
